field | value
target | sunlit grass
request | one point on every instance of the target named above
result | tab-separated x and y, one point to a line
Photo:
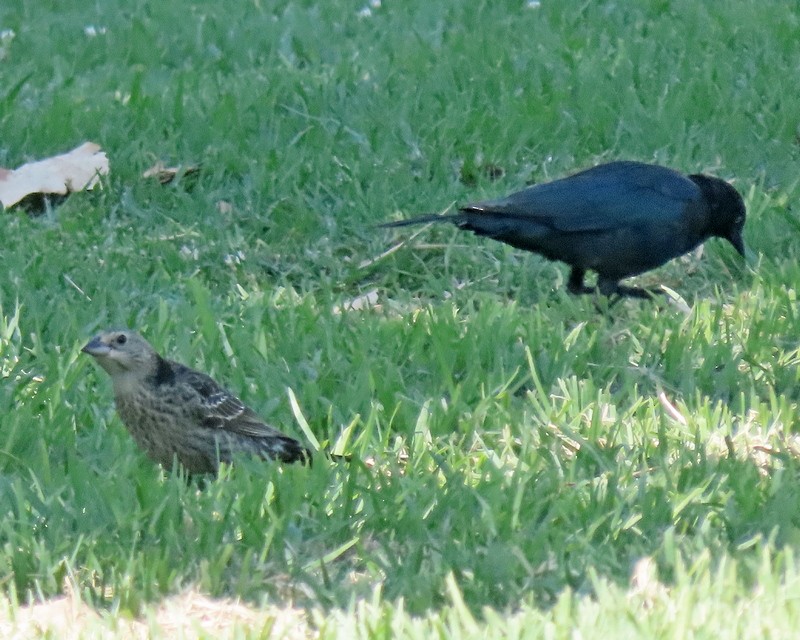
517	452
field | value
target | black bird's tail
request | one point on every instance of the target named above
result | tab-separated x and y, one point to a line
454	218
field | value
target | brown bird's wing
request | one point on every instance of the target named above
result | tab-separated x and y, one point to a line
218	408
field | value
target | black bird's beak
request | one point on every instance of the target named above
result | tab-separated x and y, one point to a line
737	241
96	347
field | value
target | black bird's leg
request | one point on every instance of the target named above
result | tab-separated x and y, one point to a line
575	284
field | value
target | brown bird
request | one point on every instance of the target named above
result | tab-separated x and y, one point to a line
174	412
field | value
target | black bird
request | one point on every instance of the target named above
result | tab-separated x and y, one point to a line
619	219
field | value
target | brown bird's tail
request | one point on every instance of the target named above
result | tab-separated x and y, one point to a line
308	456
454	218
336	457
290	450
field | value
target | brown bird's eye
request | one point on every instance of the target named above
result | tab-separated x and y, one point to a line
121	339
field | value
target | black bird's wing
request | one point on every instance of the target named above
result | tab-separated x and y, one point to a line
604	198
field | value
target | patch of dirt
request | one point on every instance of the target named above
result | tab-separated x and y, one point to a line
189	615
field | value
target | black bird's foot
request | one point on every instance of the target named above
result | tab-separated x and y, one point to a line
634	292
610	288
628	292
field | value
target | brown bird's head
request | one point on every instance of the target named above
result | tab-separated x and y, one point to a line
123	354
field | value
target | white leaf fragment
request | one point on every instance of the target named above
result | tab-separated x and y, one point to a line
77	170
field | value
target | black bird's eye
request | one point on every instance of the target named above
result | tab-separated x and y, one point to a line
121	339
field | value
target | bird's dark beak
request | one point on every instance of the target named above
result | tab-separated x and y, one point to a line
737	241
96	347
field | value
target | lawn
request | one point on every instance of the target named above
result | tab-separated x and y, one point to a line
524	463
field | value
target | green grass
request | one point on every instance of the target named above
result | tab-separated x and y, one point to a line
521	461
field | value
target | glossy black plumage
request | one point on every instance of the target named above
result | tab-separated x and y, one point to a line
618	219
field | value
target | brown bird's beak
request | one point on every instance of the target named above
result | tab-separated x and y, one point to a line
737	241
96	347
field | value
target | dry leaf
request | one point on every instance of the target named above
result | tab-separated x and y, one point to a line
165	175
368	300
77	170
